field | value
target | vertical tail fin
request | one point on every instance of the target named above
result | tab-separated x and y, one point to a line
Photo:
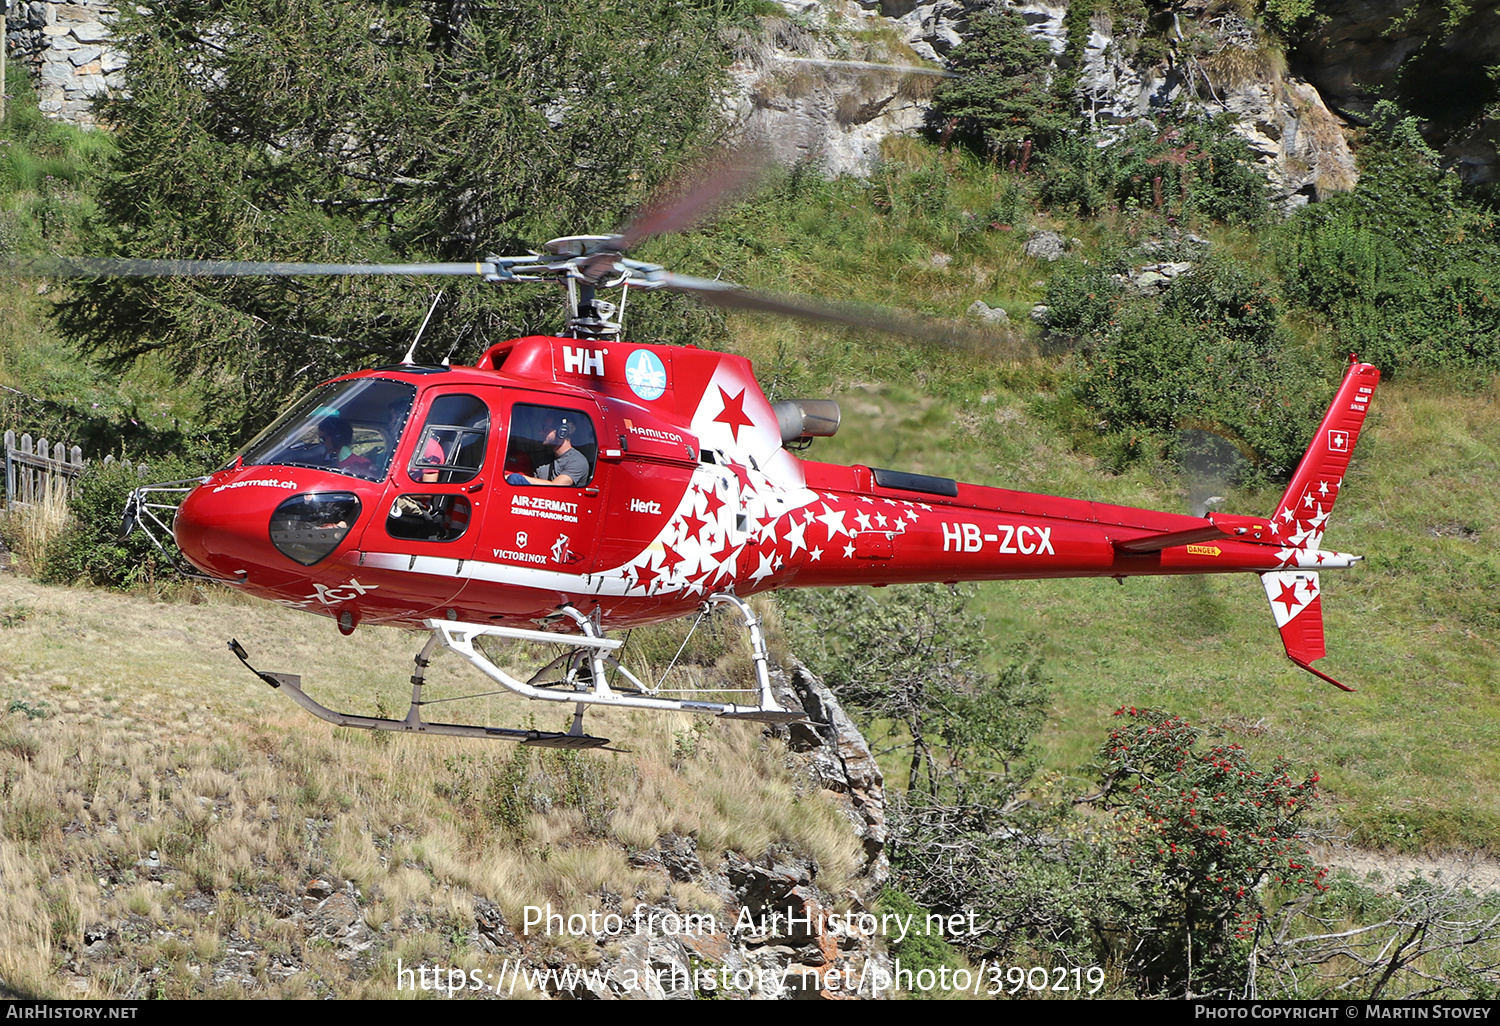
1302	516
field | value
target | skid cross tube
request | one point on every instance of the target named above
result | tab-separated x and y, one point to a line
461	637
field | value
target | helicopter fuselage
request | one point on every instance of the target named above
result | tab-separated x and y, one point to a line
393	496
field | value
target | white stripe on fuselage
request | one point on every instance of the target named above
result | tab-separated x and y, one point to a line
610	582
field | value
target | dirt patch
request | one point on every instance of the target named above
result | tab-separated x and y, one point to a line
1388	872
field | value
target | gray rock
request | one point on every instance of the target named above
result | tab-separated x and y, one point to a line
318	888
980	310
90	32
1039	313
1045	245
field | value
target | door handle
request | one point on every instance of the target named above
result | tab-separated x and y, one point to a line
476	486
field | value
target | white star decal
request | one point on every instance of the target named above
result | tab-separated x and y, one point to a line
1322	487
880	519
815	555
765	569
794	534
848	551
1286	515
834	522
1307	499
863	519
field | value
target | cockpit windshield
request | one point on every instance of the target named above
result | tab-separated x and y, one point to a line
349	427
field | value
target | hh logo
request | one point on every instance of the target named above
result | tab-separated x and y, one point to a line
1338	441
583	361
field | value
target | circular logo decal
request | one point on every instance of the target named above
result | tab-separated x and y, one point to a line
646	374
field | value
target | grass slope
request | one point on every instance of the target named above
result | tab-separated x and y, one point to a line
129	733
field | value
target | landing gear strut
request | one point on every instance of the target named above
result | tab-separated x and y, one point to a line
585	682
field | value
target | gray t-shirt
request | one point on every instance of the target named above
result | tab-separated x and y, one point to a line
572	464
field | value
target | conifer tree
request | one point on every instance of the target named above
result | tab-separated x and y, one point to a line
353	131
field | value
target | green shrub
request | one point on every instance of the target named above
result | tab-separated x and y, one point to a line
1206	831
91	550
1174	169
1205	375
1407	267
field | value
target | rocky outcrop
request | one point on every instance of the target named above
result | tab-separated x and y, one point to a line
1214	64
1298	144
815	93
1431	57
840	758
66	47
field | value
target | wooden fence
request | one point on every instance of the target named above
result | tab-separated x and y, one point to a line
35	469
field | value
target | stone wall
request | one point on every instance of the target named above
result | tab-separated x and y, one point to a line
66	48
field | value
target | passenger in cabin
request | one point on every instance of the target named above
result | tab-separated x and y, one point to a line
568	466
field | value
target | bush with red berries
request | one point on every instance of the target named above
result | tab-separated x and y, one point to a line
1206	833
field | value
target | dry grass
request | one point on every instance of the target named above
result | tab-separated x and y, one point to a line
30	530
151	744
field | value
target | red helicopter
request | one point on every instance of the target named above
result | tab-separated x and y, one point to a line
566	486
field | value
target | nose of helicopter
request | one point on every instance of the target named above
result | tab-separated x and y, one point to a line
215	530
252	527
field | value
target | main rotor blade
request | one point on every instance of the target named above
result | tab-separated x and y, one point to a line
893	322
722	180
125	267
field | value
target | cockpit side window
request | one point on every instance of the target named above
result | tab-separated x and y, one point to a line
349	427
450	449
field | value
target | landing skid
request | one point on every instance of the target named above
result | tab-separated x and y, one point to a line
591	687
585	683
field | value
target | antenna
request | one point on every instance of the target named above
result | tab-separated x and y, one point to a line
411	353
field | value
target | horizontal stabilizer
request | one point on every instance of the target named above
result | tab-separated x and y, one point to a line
1157	542
1217	527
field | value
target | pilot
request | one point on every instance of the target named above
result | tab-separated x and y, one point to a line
568	466
337	437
